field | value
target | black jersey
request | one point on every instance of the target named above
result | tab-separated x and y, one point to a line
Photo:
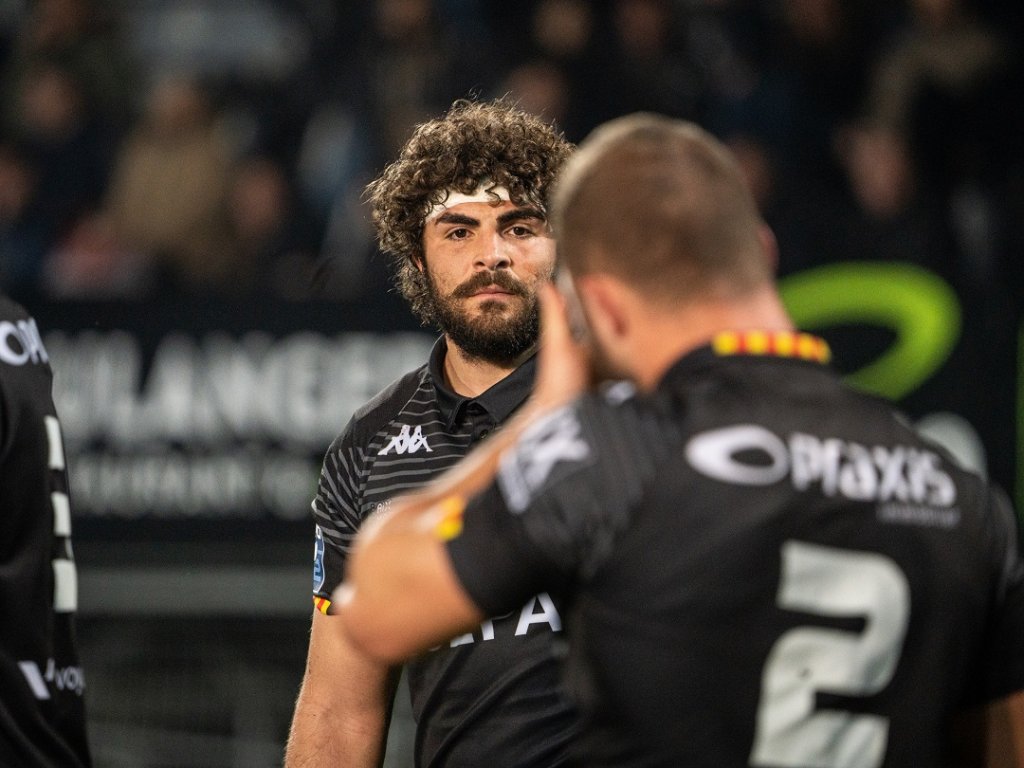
42	718
491	696
766	568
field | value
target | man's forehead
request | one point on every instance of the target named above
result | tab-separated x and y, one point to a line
487	199
475	211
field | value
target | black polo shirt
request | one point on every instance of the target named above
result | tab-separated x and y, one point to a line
489	696
766	568
42	717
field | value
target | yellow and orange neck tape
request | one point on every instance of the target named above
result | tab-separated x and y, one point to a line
772	343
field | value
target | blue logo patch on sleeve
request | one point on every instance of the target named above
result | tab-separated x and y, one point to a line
318	561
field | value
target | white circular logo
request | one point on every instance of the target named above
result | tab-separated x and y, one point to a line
715	454
16	353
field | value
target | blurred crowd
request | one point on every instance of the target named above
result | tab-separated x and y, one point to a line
152	147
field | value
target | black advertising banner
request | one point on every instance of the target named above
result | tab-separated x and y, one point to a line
183	416
177	417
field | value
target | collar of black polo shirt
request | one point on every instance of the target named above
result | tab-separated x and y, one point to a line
499	401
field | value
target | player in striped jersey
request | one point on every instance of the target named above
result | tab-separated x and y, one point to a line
462	212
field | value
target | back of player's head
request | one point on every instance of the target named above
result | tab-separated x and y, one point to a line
662	205
493	144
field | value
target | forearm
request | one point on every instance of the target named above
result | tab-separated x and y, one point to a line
344	705
323	738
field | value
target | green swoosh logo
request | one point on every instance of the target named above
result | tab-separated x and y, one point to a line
918	306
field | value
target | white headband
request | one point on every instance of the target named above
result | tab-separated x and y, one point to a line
482	194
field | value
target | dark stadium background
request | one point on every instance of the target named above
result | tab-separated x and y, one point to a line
180	208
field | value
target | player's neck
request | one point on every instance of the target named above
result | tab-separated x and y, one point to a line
666	337
470	376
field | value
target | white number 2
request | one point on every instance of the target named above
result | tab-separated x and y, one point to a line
835	583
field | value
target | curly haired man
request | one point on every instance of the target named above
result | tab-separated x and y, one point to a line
462	214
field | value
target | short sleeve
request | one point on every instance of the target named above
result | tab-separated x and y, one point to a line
336	513
561	497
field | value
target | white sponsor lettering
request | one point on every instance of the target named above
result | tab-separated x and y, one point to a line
529	615
171	482
20	343
748	454
880	473
70	678
298	390
65	678
548	615
215	426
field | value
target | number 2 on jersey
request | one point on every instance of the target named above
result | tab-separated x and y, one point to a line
831	582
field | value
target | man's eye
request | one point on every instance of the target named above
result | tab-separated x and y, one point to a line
458	234
520	230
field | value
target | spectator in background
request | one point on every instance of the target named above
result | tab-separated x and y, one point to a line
169	187
942	88
66	150
24	232
892	218
391	65
819	51
83	38
414	68
90	262
648	68
557	73
541	88
266	231
806	213
942	47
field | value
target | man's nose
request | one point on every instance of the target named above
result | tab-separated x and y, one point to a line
495	254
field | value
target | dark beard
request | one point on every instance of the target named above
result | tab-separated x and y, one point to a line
493	337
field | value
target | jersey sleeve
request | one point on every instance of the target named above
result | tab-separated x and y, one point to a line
1004	673
336	514
560	499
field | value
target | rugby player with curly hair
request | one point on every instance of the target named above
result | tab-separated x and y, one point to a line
462	214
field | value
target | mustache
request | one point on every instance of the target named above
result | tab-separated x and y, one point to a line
502	279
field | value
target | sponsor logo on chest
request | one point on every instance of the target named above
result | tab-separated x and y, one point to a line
408	440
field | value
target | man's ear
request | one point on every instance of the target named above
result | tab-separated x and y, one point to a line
603	303
417	261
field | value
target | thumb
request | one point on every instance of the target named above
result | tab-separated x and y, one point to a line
554	324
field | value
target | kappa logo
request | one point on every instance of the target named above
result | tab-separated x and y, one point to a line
409	440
